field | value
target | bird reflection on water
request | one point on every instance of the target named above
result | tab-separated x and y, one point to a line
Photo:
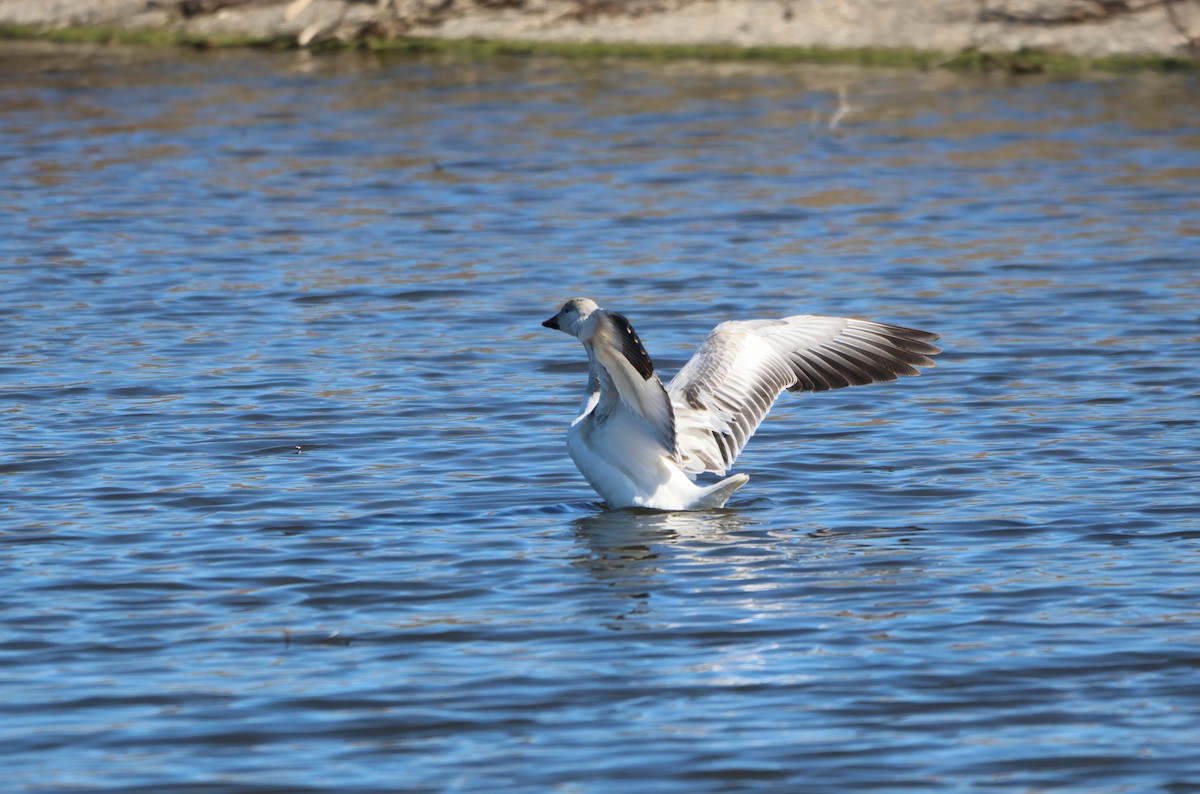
643	555
626	551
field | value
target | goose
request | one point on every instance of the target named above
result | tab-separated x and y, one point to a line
641	444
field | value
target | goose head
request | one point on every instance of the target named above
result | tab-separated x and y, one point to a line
572	315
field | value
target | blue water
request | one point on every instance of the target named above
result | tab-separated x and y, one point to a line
285	503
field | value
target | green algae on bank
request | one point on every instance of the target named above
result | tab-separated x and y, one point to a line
1023	61
1020	62
144	37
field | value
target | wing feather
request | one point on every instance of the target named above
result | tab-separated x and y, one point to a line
616	347
723	393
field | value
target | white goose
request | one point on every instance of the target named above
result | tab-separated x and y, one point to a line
642	445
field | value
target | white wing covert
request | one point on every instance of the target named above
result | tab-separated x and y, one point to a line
723	393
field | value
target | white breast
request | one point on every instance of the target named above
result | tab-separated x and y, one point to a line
628	468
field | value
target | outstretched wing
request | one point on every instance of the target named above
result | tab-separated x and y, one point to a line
723	393
616	346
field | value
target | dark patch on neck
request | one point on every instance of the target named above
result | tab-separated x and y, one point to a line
631	346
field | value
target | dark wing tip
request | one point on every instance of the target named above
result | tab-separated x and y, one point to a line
912	339
865	353
631	347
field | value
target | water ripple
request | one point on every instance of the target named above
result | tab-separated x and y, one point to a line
284	499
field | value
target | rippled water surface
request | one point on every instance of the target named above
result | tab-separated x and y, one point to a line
284	498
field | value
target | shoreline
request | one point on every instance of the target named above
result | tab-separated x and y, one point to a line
954	34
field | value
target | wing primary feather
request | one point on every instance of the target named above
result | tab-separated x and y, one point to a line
869	368
896	338
834	372
894	354
847	372
631	346
812	373
874	365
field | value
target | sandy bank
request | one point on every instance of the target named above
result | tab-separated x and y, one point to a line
1093	29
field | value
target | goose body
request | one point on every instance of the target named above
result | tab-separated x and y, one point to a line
642	444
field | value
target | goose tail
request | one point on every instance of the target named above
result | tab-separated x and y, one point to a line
717	494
